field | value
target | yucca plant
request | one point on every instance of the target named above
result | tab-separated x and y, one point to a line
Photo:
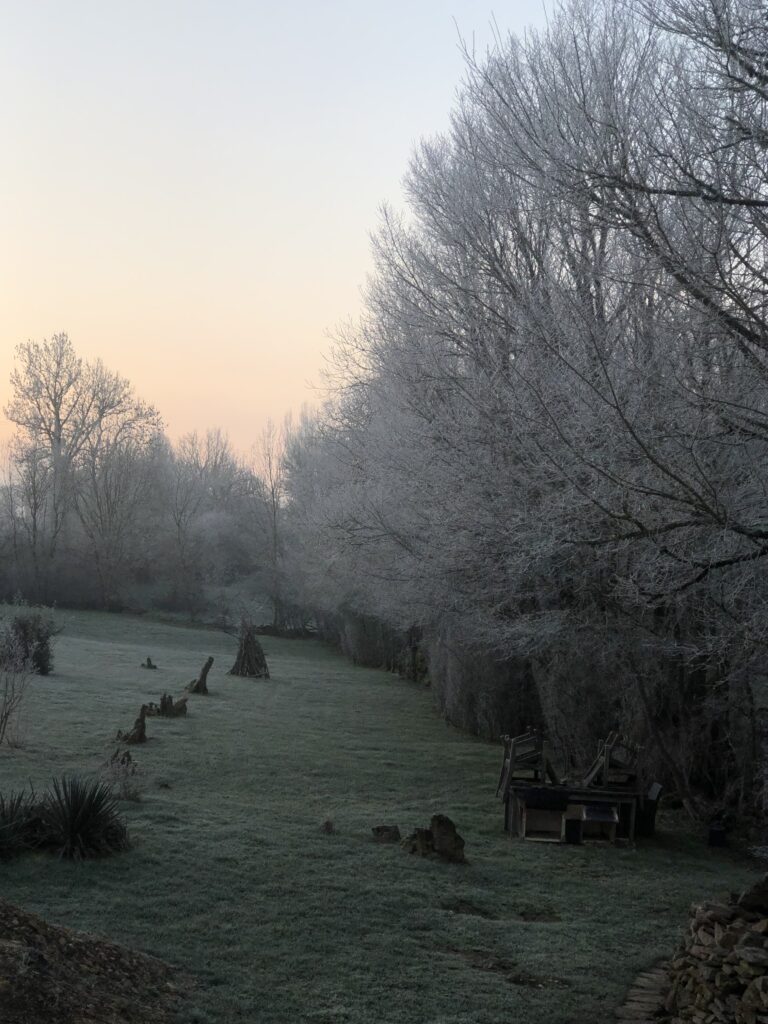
20	823
81	820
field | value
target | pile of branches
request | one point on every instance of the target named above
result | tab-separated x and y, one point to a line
250	660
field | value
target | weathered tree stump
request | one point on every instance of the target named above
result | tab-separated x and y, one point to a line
386	834
177	708
168	707
250	660
200	685
138	733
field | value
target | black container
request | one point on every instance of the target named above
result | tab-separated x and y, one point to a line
573	830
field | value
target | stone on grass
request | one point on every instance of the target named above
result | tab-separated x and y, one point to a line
419	841
446	840
386	834
440	839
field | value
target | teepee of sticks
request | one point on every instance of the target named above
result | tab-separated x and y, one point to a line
250	660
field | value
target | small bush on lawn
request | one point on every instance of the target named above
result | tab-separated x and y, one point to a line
20	824
122	774
80	819
14	680
33	633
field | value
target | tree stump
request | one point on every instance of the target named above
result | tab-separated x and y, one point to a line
168	707
199	685
250	660
179	708
138	733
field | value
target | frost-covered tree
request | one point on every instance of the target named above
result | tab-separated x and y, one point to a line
547	455
73	418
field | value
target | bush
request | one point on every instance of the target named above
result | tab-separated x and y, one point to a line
14	679
122	774
33	633
80	819
20	824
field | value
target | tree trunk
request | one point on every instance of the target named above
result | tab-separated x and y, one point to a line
199	685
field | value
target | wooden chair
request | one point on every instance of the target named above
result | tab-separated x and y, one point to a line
527	758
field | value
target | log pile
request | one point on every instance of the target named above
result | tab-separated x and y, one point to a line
720	973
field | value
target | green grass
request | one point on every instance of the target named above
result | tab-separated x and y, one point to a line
231	877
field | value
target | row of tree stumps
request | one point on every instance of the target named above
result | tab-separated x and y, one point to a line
250	662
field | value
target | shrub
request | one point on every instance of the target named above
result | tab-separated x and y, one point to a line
20	823
122	774
33	634
14	679
80	819
25	649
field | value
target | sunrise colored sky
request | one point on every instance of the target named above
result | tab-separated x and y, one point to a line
187	188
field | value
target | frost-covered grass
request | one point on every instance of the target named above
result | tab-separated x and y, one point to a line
231	877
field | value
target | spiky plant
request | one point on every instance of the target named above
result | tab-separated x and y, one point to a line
81	820
19	823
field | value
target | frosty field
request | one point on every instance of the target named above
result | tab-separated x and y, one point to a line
231	877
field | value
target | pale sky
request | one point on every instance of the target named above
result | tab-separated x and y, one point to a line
187	188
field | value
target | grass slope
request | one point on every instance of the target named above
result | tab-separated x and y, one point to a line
231	877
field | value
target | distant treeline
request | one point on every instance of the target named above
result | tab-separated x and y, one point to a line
98	509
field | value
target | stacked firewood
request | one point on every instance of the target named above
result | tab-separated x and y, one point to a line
720	973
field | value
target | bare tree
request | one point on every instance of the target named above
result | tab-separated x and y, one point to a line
268	465
15	676
69	414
